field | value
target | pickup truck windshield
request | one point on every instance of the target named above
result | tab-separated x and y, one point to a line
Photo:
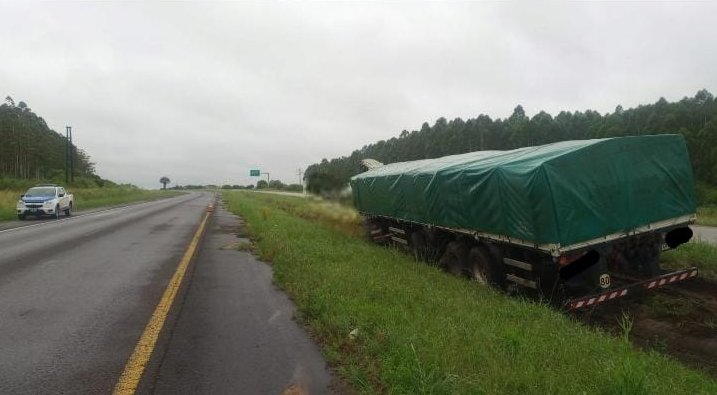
40	191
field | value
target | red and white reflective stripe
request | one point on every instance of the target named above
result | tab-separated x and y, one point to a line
671	279
648	284
598	299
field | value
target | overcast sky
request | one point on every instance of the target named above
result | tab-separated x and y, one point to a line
202	92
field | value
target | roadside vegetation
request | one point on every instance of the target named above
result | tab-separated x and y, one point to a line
87	198
707	215
390	324
697	253
707	205
693	117
31	153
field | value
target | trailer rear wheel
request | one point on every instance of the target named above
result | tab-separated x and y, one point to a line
376	231
483	268
419	245
454	258
647	260
643	256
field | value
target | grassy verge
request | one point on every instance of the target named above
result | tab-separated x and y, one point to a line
390	324
707	204
88	198
707	215
697	253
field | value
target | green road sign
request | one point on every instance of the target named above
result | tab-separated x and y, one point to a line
254	173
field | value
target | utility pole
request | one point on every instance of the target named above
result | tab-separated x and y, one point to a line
72	159
268	177
301	181
68	153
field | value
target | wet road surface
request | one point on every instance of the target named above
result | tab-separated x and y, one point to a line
76	295
705	233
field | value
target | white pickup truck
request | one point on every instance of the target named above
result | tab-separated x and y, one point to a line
45	200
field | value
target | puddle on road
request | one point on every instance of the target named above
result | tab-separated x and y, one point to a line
237	239
239	244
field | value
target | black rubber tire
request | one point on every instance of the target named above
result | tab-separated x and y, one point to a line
68	212
648	262
645	260
484	268
372	226
57	212
21	217
418	244
454	258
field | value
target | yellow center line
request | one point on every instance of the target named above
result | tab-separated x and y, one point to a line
133	370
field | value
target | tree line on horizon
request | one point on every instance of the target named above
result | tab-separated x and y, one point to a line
275	185
30	150
693	117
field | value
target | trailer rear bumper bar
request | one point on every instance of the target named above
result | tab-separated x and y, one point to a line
646	285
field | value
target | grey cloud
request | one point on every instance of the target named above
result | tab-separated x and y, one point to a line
201	92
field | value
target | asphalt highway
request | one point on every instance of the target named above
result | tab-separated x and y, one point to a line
705	233
76	296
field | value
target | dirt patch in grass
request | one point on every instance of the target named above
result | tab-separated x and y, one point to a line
680	321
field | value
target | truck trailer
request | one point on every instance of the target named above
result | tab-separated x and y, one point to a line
577	222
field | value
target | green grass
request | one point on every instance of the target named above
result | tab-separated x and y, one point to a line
697	253
707	215
419	330
707	204
88	198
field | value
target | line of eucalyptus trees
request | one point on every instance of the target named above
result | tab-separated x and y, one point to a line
29	149
694	117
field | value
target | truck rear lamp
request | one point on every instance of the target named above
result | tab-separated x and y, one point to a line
579	264
565	260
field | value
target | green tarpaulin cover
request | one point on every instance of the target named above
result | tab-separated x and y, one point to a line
562	193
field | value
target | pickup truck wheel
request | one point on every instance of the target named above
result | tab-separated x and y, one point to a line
454	258
483	267
68	212
57	212
21	217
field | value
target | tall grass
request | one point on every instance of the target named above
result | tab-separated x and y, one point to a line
707	215
695	253
88	198
8	200
392	325
707	205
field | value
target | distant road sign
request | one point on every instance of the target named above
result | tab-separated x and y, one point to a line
254	173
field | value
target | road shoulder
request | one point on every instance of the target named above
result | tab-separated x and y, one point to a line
705	233
235	332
